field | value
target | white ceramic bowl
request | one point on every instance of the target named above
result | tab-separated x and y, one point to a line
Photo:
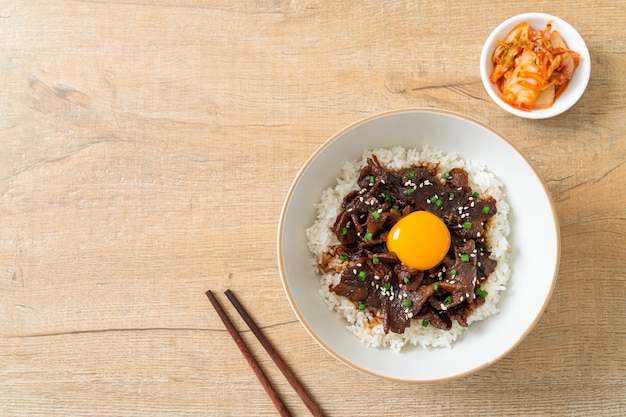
534	240
574	41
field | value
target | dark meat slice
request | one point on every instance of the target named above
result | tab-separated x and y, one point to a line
465	266
409	278
459	178
341	228
351	286
383	220
485	265
435	318
461	312
377	169
458	288
402	307
386	257
394	318
471	215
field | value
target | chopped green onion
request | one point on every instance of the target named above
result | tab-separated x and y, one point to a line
447	175
375	261
451	197
368	236
453	272
438	203
372	179
481	293
407	281
424	323
410	190
376	215
344	231
486	209
387	197
436	287
475	195
362	275
343	257
407	302
467	225
465	257
448	300
411	174
387	285
395	207
362	306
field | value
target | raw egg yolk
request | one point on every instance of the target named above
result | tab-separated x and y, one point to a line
420	240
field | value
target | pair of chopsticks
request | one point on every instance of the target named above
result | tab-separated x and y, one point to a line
278	403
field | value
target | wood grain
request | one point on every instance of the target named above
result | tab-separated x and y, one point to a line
145	151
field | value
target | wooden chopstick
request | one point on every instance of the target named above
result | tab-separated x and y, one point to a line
308	401
265	382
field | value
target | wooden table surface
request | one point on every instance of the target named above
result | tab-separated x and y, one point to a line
146	148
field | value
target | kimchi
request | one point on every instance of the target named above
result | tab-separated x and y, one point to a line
533	67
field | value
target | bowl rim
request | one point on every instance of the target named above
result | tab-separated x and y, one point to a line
583	72
300	316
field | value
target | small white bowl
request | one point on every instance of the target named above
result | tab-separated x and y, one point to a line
534	241
574	41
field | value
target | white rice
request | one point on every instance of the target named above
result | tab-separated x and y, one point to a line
320	238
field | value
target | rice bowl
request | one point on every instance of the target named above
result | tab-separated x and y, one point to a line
363	323
534	239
